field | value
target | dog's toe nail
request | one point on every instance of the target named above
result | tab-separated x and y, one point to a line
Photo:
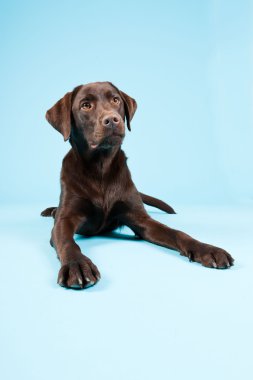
214	264
89	284
80	281
75	286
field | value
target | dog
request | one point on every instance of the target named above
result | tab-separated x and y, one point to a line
97	191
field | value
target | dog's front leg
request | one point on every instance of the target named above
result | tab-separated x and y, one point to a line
157	233
77	271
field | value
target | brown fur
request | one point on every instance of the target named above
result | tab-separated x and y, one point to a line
97	191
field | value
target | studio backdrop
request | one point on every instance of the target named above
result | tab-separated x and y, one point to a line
188	64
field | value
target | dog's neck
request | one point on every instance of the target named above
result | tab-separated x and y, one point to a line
99	161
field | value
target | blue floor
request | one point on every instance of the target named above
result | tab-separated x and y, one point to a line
153	315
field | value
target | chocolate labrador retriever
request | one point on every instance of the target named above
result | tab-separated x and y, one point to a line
97	191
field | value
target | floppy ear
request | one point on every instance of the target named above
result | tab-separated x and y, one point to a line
130	107
59	116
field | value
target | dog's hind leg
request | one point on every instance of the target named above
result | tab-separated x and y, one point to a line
50	211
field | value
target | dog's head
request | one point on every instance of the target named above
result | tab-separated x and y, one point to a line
94	113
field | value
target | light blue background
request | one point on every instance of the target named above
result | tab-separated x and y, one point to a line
188	65
153	315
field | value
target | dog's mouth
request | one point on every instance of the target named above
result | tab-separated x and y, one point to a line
108	142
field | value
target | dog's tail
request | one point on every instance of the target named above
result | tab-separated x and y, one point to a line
150	201
147	199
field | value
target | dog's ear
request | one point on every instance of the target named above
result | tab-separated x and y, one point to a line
130	107
59	116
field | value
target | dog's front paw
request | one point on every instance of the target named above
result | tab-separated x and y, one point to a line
78	273
210	256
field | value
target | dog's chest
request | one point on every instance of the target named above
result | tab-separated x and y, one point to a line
103	209
109	202
100	218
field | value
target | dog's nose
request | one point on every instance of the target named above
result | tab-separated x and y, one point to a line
110	121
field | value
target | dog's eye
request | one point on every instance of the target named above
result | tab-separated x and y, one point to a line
115	100
86	106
